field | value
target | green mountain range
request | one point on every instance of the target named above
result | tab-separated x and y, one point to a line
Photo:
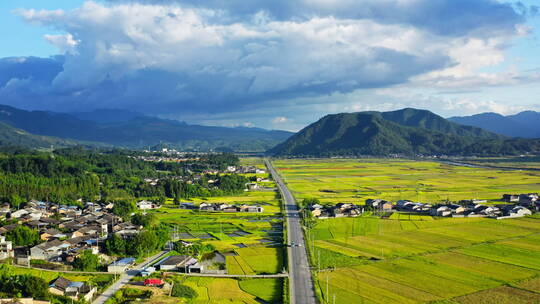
525	124
10	136
132	130
403	132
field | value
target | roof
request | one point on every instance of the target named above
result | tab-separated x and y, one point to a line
174	260
123	262
61	283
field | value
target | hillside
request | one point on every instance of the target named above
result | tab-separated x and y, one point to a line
10	136
419	132
525	124
139	131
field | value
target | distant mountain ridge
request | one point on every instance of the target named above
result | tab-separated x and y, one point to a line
10	136
133	130
407	132
525	124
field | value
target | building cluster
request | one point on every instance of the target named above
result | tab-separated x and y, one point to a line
169	158
515	206
245	170
338	210
224	207
64	231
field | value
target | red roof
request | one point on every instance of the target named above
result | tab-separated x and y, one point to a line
153	282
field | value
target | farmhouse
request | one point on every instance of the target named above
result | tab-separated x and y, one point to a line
121	265
379	204
146	205
74	290
51	250
182	263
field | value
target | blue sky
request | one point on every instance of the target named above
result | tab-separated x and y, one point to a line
275	64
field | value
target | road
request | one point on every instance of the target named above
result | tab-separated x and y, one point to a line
300	282
125	278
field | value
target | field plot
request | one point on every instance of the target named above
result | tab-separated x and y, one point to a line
221	291
411	258
500	295
508	162
343	180
214	290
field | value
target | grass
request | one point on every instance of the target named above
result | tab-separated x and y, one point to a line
98	280
268	290
411	258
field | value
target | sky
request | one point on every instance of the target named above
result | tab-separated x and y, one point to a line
278	64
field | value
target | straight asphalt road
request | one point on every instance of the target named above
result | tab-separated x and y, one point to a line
300	282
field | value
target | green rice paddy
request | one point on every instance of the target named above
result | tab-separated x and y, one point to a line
411	258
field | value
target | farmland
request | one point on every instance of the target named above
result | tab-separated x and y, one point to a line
342	180
411	258
219	290
252	242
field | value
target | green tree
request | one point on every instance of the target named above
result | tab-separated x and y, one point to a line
115	245
87	261
124	208
23	236
147	220
183	291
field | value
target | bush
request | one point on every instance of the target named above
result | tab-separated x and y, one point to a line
183	291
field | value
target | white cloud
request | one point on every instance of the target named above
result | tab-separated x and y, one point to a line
280	120
206	58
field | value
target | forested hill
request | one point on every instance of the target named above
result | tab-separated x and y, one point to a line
134	131
405	132
66	175
10	136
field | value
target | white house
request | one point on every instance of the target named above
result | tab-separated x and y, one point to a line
6	248
145	205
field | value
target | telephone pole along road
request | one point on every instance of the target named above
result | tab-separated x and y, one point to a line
300	282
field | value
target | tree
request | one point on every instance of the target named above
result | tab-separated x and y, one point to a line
87	261
196	249
183	291
23	236
115	245
146	220
124	208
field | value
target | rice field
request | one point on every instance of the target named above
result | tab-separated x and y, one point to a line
252	242
346	180
248	291
256	260
411	258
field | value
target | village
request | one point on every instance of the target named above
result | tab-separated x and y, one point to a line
512	205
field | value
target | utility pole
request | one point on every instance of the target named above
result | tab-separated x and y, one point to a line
327	293
319	254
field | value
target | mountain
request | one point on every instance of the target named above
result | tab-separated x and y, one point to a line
140	131
406	132
106	115
10	136
525	124
430	121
